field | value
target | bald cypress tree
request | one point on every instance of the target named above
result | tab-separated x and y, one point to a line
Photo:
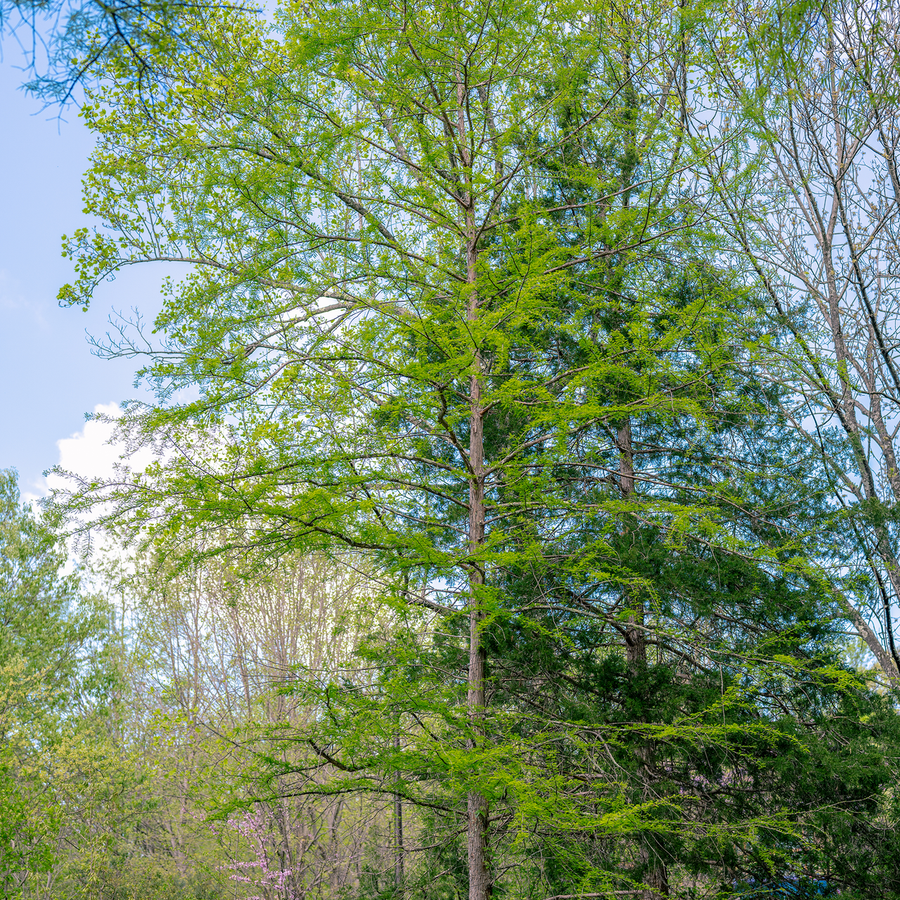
454	308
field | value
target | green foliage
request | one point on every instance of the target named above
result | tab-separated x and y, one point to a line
456	316
52	670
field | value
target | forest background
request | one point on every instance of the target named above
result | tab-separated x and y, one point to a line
521	518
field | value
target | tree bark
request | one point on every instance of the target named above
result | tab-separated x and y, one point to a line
479	875
652	865
478	814
398	832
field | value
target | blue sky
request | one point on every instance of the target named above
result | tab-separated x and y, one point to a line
50	378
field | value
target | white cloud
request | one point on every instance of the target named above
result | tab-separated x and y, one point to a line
92	452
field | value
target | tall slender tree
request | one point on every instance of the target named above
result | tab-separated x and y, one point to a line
453	308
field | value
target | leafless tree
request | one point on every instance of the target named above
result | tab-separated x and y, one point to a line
214	654
801	112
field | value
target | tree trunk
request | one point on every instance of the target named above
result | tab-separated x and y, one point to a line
398	832
479	876
477	804
651	863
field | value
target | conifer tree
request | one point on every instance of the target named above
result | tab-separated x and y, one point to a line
453	308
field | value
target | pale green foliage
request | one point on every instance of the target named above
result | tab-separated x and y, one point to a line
323	179
51	680
454	315
211	651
